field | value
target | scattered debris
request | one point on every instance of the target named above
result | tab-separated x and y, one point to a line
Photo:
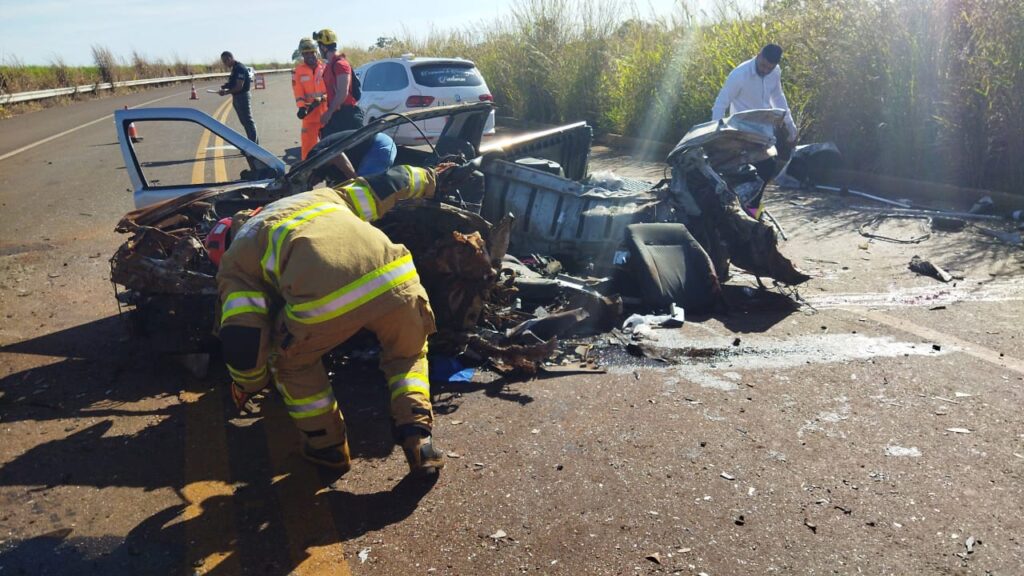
656	558
958	430
727	476
498	535
1011	238
364	555
900	451
948	224
740	520
969	544
674	319
813	527
926	268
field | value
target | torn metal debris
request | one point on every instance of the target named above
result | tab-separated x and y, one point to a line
529	253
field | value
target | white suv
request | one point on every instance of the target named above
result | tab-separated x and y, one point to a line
409	83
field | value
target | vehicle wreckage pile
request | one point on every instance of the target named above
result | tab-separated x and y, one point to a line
586	252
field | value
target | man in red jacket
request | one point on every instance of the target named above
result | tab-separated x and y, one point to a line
342	112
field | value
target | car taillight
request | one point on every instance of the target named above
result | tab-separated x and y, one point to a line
419	101
486	98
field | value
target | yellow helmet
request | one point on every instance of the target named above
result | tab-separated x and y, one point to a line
307	45
326	36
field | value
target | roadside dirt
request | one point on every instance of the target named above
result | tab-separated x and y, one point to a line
876	428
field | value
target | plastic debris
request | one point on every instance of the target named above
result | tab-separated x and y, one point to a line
900	451
926	268
449	369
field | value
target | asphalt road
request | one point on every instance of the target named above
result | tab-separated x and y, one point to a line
876	429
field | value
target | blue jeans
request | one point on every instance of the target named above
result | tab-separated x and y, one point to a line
379	157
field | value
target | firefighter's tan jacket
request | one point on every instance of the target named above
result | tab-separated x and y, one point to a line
314	258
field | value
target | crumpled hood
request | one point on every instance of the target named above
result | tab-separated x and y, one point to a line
743	138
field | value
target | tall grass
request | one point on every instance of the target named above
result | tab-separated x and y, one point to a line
929	89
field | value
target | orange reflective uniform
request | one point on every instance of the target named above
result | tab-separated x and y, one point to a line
308	85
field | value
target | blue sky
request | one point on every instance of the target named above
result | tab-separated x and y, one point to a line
36	31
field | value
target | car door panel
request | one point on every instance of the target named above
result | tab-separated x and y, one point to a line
151	191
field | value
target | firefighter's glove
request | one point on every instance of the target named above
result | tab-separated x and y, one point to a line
303	112
450	176
246	402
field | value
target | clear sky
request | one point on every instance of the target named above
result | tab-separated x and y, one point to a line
37	31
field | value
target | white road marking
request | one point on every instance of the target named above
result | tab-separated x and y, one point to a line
223	147
76	128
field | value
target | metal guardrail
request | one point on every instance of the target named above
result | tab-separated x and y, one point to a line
86	88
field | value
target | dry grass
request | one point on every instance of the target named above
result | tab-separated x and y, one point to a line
930	89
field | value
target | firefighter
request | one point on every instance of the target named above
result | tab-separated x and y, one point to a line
306	273
310	94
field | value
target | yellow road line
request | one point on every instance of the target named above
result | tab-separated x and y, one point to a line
199	168
313	542
970	348
220	173
210	535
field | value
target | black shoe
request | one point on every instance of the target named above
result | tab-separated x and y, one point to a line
336	457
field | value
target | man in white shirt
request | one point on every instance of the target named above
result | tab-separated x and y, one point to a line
753	85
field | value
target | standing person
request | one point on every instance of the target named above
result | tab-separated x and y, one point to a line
342	112
753	85
310	94
241	99
305	274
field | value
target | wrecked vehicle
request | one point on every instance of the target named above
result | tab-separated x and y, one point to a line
589	247
719	170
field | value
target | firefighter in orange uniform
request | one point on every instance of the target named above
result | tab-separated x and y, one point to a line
310	94
307	272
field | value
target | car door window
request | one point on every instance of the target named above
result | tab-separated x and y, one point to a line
447	75
385	77
176	153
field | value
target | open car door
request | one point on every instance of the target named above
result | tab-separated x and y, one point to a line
170	152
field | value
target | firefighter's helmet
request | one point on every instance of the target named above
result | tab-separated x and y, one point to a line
218	240
325	36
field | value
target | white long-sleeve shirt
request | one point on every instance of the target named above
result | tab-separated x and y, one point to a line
744	90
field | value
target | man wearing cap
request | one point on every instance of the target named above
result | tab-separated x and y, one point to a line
754	85
342	112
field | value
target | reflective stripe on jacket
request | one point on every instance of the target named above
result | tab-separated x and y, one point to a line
308	85
314	258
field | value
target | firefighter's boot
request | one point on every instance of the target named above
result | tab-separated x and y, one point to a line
336	457
424	459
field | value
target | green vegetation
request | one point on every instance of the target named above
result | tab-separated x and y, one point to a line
927	89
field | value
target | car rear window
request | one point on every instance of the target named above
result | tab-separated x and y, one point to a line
447	74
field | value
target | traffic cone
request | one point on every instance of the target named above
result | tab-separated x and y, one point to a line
194	95
133	133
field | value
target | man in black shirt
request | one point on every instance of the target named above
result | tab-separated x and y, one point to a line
238	87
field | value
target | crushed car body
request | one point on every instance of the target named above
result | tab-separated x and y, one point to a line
533	249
